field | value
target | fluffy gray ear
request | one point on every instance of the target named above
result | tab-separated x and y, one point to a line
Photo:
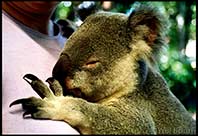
147	16
150	25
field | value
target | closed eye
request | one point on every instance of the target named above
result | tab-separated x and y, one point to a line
91	64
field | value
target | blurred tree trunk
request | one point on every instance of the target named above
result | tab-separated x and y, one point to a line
188	19
184	9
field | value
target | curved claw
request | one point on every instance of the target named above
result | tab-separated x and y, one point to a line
38	86
55	86
50	80
31	77
26	113
19	101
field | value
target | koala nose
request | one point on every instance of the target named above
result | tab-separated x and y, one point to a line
61	67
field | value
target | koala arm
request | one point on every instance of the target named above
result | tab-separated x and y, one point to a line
88	118
116	118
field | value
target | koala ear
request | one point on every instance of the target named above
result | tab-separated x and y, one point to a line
148	27
146	20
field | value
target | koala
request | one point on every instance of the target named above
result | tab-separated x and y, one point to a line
106	82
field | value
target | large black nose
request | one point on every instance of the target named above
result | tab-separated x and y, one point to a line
61	67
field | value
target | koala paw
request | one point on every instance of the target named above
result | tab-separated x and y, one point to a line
46	107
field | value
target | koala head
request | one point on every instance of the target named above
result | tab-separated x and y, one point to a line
109	53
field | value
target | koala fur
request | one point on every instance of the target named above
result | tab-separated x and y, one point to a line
105	81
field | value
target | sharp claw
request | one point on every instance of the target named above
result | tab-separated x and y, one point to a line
26	113
38	86
19	101
30	77
50	80
55	86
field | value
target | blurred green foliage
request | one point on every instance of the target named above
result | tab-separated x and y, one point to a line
178	69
